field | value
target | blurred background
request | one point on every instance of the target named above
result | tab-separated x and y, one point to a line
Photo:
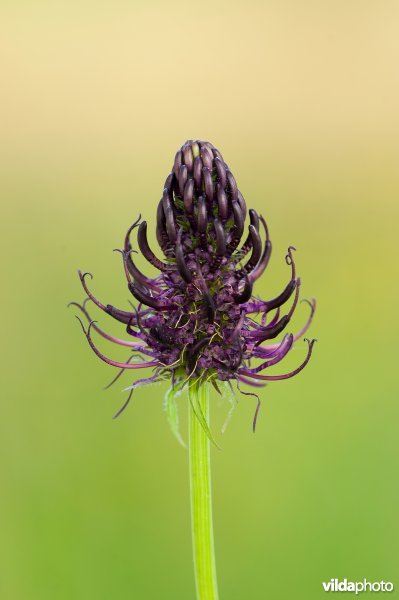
302	100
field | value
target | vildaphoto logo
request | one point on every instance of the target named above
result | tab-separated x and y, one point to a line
335	585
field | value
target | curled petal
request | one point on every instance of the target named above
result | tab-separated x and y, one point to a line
146	250
254	219
286	375
256	244
254	383
279	354
82	277
238	227
246	293
107	336
129	231
131	270
148	300
121	365
120	315
264	259
304	329
281	298
116	313
289	259
270	333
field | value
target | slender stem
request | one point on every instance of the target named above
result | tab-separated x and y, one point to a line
201	497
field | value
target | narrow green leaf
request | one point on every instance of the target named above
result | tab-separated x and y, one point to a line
172	412
196	406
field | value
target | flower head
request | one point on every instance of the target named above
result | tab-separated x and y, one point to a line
199	317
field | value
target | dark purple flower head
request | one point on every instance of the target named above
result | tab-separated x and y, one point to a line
199	317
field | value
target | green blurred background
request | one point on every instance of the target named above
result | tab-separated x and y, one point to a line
302	100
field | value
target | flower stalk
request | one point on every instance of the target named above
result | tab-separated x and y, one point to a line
201	494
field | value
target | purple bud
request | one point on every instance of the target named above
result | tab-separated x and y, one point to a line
195	149
238	229
146	250
169	183
182	179
246	293
222	203
206	157
242	203
188	196
256	249
253	217
220	238
221	172
197	172
170	225
162	236
202	219
178	162
232	187
208	184
188	156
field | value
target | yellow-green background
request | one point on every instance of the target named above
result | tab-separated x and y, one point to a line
302	100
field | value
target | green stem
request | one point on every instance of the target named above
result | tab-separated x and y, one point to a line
201	496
